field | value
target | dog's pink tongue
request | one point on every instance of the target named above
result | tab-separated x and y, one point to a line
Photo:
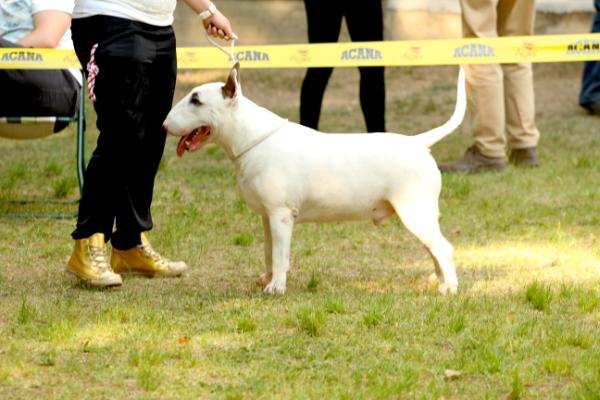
182	146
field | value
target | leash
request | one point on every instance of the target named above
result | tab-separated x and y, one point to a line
229	53
259	140
232	56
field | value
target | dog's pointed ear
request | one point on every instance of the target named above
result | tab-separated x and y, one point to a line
232	86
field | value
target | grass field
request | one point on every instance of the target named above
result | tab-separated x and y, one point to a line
359	319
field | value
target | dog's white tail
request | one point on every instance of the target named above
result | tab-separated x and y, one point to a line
433	136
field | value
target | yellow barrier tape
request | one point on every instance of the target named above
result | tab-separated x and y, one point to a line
546	48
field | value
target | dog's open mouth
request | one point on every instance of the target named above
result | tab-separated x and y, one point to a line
193	140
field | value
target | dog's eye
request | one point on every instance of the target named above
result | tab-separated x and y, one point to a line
195	100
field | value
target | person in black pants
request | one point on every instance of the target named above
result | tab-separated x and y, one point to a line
134	92
129	53
365	24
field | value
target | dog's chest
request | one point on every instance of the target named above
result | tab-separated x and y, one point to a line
252	198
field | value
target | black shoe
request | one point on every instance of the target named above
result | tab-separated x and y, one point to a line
474	161
524	157
593	108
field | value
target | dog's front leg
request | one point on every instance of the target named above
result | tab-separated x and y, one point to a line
281	223
266	277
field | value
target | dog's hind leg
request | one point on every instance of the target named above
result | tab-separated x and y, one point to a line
422	220
281	223
266	277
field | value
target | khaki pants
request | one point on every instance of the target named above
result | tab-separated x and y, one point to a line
500	97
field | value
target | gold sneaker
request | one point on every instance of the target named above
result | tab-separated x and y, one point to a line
143	259
89	262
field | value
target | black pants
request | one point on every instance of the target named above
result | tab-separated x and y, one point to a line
365	23
134	89
37	93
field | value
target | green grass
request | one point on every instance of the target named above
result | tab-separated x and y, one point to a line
539	296
360	319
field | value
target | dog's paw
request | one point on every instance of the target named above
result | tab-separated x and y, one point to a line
446	288
274	288
264	279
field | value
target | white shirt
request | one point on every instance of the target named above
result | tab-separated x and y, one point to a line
153	12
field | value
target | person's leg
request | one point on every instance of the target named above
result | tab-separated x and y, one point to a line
134	216
589	97
36	92
324	19
89	260
97	205
516	18
365	24
485	94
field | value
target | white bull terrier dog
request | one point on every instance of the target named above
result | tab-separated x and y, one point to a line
289	173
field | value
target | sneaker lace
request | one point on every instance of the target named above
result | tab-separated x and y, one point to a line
99	258
153	254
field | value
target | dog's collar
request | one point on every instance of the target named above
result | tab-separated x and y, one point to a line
259	140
